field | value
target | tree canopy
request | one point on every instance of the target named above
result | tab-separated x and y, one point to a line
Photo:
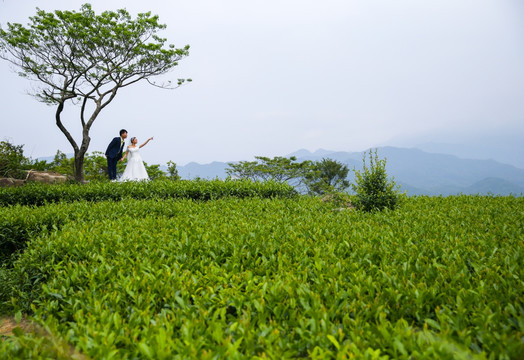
85	58
313	177
281	169
327	176
12	160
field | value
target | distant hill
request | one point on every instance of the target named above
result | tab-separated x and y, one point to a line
448	174
494	186
501	143
505	148
418	172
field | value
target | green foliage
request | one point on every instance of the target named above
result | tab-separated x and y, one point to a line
13	163
374	191
62	164
39	165
85	58
290	278
172	171
36	345
36	194
95	166
12	160
327	176
320	177
243	170
154	172
19	224
85	49
279	169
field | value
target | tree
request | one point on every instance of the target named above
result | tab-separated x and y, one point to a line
84	58
374	191
12	160
172	171
95	166
279	169
154	172
327	176
62	164
243	170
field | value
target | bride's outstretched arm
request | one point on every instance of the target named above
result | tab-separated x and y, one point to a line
151	138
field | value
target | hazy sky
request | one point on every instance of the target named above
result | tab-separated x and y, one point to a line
271	77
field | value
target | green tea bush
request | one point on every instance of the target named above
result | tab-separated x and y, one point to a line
373	190
287	278
40	194
18	225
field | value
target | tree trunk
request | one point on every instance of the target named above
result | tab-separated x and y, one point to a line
79	153
79	166
79	156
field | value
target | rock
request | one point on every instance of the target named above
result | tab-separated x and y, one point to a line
46	177
8	182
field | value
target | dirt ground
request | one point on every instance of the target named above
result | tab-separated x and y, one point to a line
7	325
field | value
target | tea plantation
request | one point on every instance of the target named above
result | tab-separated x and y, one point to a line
204	273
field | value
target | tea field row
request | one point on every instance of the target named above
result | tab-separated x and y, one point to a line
271	278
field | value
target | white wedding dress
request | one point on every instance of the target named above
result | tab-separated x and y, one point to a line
135	169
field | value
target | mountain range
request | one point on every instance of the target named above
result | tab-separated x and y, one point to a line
417	172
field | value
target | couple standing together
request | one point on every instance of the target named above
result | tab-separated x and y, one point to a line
135	169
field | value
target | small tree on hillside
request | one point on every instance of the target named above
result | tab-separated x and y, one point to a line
154	172
327	176
62	164
374	191
12	160
95	166
279	169
244	170
86	59
172	171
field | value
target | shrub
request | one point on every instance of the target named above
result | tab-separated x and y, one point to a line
374	191
19	224
40	194
12	160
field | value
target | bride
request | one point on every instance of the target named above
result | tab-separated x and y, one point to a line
135	169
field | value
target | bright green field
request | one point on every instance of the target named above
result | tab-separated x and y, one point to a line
439	278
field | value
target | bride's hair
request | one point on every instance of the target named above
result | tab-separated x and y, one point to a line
133	138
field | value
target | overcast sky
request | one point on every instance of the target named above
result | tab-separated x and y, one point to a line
271	77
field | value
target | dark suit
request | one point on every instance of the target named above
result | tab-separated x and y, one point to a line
113	154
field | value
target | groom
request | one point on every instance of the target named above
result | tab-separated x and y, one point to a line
114	153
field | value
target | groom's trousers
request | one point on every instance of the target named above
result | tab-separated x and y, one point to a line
111	167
